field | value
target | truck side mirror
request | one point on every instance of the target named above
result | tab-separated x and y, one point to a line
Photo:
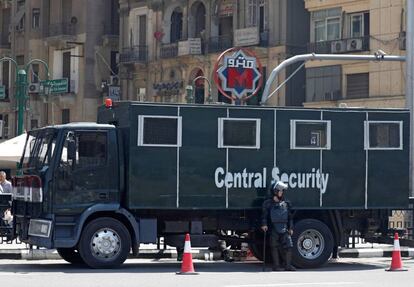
71	150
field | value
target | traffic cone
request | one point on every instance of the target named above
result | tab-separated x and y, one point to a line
187	267
396	263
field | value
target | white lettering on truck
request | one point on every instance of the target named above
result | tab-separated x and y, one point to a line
248	179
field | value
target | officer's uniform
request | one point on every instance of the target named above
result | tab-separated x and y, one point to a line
277	215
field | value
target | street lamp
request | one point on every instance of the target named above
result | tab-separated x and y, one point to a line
21	84
189	89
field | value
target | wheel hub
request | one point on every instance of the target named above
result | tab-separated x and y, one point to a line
311	244
307	244
105	243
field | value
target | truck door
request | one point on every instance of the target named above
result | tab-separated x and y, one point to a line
85	174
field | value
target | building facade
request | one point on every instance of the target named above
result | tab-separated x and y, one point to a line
76	42
356	27
165	45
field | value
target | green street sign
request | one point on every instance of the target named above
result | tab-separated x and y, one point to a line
58	86
2	92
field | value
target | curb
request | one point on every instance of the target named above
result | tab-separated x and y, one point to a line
51	254
372	253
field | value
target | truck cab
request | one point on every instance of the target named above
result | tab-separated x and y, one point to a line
67	170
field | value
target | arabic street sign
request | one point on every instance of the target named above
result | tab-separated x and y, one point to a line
57	86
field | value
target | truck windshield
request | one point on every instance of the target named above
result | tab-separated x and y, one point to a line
39	149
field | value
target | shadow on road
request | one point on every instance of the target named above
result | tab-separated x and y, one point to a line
157	266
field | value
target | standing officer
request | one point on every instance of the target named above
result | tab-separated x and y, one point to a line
276	211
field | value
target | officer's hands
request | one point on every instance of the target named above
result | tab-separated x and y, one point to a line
290	232
264	228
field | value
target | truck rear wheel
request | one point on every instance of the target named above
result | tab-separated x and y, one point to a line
312	243
104	243
70	255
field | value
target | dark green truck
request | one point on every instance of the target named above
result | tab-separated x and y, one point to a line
96	191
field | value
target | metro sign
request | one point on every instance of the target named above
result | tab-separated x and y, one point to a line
239	75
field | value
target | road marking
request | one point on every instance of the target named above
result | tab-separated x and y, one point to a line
295	284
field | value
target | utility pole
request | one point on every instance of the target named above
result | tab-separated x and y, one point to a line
409	82
21	99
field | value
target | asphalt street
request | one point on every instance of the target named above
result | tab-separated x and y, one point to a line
147	272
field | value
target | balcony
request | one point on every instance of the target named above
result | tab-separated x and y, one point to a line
61	29
340	46
169	50
219	43
136	54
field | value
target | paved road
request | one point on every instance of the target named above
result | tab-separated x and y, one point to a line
157	273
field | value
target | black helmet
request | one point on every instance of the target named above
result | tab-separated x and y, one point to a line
279	186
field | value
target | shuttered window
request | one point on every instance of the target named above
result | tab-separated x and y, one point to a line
159	131
357	86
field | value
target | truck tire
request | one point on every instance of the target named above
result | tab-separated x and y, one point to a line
312	243
70	255
105	243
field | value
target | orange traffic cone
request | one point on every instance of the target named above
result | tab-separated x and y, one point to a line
187	267
396	263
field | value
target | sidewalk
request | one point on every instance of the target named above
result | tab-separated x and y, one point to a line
362	250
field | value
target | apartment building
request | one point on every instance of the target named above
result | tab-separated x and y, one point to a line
356	27
6	113
165	45
78	39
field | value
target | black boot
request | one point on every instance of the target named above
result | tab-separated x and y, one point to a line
276	260
289	266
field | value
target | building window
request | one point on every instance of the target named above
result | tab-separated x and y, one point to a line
65	116
383	135
358	24
252	13
326	25
66	65
35	18
262	16
176	25
142	30
357	86
239	133
4	126
323	84
310	134
159	131
5	78
34	73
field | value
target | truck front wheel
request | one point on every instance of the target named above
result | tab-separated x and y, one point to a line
312	243
104	243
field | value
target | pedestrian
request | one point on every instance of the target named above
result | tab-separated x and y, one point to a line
276	214
6	186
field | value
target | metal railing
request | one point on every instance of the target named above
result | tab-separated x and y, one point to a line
136	54
60	29
345	45
169	50
219	43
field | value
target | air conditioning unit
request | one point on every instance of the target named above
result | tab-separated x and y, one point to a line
354	45
33	88
114	81
338	46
